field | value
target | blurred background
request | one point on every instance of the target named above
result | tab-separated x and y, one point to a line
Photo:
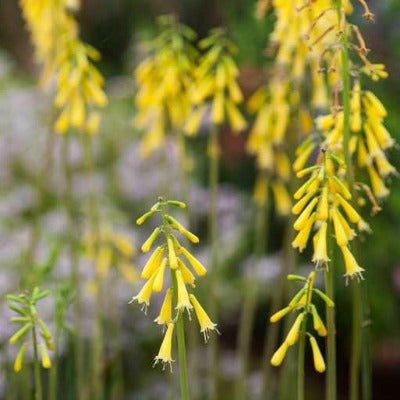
33	221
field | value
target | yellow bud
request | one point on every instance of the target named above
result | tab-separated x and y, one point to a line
293	334
301	239
159	277
305	215
319	363
46	363
340	234
20	358
149	242
173	262
349	210
279	355
187	275
320	250
281	197
378	186
194	262
280	314
153	263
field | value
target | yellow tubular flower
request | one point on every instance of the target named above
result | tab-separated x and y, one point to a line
149	242
173	262
159	277
165	316
301	239
378	186
294	332
301	221
46	362
281	197
164	355
280	314
143	297
279	355
340	234
20	358
183	296
187	275
319	363
318	324
194	262
352	267
322	209
320	249
153	263
206	325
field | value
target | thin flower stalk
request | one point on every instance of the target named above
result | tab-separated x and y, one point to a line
175	258
25	307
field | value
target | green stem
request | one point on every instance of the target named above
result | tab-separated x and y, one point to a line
301	359
36	365
97	344
331	338
180	330
70	207
213	150
357	300
251	289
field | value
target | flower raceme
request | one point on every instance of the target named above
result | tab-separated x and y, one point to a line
173	257
215	80
323	201
302	303
163	79
55	35
24	306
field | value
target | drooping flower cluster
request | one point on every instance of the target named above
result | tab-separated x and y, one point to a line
215	81
55	35
302	303
323	200
109	249
369	137
163	79
173	257
24	306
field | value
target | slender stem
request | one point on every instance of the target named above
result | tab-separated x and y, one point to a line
36	366
213	150
331	337
356	343
180	330
97	345
357	301
251	289
300	360
77	342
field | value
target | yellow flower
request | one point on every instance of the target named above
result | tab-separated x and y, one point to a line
194	262
340	234
319	363
352	267
353	215
153	263
294	332
281	197
187	275
183	296
320	251
322	209
20	358
318	324
301	239
378	186
143	297
164	355
165	316
46	363
301	221
206	325
173	262
159	277
280	314
149	242
279	355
